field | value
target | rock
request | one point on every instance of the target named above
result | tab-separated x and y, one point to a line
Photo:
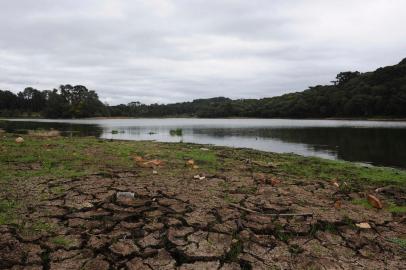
374	201
154	172
19	140
127	195
204	149
363	225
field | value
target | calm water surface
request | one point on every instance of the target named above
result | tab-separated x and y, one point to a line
375	142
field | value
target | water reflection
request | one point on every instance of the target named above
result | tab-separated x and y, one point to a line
379	143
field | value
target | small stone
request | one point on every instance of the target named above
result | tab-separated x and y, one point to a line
19	140
154	172
204	149
202	178
129	195
196	176
363	225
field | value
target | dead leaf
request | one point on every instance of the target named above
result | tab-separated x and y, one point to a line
374	201
335	183
190	162
363	225
274	181
139	159
154	162
195	167
337	204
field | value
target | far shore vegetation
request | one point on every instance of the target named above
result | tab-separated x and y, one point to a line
380	94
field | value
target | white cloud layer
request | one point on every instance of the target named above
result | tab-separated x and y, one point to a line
167	51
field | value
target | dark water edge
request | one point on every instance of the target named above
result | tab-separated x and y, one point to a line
376	143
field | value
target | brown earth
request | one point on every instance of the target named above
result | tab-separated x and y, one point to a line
189	223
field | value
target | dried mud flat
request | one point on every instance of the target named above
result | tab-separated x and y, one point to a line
185	224
170	219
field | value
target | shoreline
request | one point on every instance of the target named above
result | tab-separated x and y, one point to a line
85	201
185	117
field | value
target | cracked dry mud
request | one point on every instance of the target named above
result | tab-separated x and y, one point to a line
185	223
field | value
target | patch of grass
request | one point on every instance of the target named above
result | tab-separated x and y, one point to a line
58	190
280	233
7	212
247	190
317	168
396	209
295	249
235	250
61	240
42	226
399	241
229	198
363	202
176	132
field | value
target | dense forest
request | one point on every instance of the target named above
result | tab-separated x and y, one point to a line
381	93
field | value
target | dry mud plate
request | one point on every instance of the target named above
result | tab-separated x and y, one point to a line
174	224
141	219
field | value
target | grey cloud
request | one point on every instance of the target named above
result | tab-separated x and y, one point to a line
169	51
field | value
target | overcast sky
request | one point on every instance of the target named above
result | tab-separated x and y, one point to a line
167	51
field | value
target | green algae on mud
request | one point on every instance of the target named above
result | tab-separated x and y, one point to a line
69	157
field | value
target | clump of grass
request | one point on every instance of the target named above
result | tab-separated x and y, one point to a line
295	249
7	212
396	209
235	250
176	132
61	240
114	131
363	202
247	190
229	198
399	241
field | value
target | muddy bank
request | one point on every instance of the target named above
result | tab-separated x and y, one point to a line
240	213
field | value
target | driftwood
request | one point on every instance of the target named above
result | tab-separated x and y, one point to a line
272	215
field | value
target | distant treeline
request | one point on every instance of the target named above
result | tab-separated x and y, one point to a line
381	93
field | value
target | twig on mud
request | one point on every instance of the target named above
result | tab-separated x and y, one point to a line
272	215
383	189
